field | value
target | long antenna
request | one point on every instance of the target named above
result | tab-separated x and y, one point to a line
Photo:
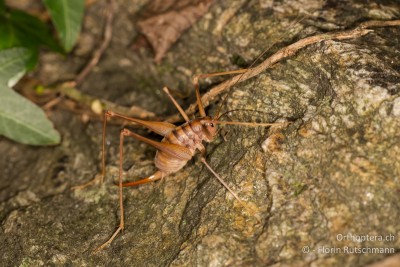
239	109
255	124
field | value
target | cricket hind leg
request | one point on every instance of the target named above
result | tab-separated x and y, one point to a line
152	178
161	128
156	176
171	149
121	203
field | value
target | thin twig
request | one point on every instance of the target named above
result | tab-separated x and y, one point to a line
66	93
106	41
283	53
87	100
53	102
379	23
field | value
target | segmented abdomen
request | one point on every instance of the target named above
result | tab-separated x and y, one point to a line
189	135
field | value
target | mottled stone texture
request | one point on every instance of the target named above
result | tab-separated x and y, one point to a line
329	176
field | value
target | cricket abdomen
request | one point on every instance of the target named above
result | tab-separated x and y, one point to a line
189	135
167	164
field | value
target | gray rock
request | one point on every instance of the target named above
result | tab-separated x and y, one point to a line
320	185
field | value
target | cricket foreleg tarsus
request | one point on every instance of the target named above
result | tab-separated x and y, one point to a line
251	210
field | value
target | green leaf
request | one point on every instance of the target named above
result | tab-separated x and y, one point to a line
31	31
2	6
13	63
23	121
67	17
20	119
20	29
7	33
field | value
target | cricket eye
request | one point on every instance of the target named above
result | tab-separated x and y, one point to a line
212	124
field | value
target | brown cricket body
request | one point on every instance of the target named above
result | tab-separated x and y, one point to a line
178	146
190	135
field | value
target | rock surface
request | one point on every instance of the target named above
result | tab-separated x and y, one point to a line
320	184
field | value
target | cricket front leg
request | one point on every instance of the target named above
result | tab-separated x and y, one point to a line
207	75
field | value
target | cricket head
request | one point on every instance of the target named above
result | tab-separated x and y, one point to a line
210	128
